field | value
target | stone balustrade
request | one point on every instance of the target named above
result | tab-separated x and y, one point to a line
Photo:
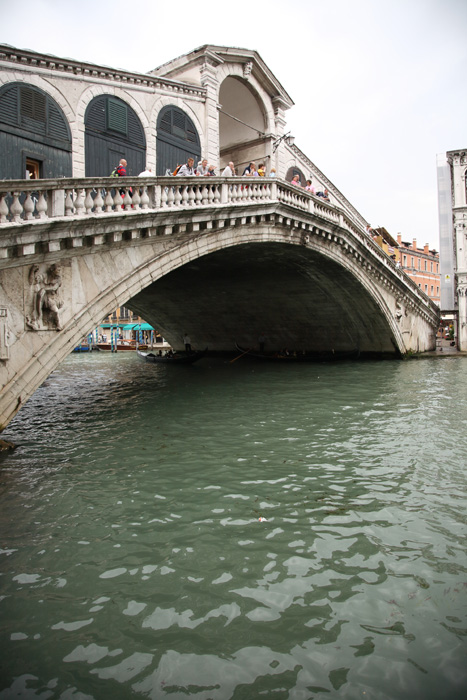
35	200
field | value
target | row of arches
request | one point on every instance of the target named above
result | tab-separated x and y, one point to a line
36	140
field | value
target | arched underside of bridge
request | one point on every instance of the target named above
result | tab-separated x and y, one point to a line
296	296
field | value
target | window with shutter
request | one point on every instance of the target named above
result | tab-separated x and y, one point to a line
117	116
33	104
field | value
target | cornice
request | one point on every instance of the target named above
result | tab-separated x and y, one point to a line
457	157
69	67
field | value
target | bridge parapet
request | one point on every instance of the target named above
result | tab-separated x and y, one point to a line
29	201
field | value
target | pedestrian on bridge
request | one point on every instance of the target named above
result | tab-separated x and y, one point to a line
188	168
202	168
229	170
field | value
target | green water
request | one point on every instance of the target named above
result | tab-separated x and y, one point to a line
134	563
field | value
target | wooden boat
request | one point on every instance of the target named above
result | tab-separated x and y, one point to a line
314	356
177	358
85	347
121	345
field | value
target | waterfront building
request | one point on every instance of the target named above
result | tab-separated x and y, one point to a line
422	265
130	327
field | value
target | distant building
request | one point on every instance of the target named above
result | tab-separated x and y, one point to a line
422	265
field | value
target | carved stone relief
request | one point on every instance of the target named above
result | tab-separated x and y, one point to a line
247	68
44	298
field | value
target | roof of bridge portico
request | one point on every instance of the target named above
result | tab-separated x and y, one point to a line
187	68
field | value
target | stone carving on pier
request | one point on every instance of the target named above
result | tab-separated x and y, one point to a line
45	298
401	311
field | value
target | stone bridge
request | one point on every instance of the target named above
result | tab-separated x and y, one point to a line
223	259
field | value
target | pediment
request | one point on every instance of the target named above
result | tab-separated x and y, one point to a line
188	68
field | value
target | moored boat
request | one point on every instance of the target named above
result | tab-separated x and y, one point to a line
176	358
290	356
84	347
121	345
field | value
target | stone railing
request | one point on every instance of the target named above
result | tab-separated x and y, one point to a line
29	201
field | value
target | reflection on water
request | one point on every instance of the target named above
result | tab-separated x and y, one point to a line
134	562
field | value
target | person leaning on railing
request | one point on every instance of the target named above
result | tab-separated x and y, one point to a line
229	170
187	168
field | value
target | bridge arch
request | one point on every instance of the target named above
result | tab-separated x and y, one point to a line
223	274
319	290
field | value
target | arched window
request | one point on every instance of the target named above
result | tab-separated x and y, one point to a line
177	139
113	131
35	138
291	172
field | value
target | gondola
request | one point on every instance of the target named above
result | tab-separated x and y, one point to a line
178	358
316	356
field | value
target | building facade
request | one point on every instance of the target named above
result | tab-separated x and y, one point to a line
452	205
422	265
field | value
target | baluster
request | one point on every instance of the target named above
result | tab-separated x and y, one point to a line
212	194
117	201
170	197
177	197
88	201
16	209
4	211
28	207
69	208
127	199
184	196
108	201
136	198
98	202
198	196
79	202
191	195
233	193
164	193
205	190
144	198
41	206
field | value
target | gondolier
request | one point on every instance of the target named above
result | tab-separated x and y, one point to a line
187	341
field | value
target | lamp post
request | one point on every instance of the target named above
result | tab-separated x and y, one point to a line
285	137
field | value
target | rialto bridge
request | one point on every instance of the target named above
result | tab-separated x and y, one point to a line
223	259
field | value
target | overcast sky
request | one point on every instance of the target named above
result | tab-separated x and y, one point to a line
379	85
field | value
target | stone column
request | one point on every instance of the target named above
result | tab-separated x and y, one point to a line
209	80
280	122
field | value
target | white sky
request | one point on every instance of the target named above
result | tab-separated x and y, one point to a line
379	85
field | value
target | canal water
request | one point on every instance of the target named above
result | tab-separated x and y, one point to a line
236	531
